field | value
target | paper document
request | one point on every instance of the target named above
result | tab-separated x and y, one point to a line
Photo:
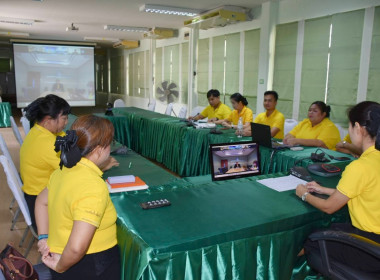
121	179
282	184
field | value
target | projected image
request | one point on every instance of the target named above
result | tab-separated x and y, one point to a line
66	71
235	160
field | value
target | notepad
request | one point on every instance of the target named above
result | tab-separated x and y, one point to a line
138	184
281	184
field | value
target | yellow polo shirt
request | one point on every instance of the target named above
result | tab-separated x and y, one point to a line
347	138
361	183
325	131
221	112
80	194
246	115
38	159
276	119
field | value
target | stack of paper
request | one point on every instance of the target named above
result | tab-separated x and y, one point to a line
281	184
125	183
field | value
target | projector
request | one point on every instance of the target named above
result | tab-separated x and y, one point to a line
324	169
72	28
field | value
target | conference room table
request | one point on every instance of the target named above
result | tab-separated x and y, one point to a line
185	150
5	113
233	229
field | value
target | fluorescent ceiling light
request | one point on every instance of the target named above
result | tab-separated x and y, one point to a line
126	28
16	21
168	10
13	34
101	39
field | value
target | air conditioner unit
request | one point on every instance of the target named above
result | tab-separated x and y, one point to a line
220	17
127	44
161	33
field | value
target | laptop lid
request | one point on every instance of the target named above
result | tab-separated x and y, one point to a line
261	134
234	160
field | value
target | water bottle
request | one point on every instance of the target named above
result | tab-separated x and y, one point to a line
240	128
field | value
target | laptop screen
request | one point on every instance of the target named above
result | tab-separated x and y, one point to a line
234	160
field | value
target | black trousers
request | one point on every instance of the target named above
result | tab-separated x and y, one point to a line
31	202
98	266
343	253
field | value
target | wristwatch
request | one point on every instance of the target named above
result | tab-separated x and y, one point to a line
303	197
344	143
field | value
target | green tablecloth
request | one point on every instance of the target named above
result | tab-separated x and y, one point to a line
185	150
237	229
5	113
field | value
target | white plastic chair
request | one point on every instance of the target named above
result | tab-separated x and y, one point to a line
182	113
197	110
289	125
25	124
5	152
118	103
169	109
15	130
13	183
342	131
152	105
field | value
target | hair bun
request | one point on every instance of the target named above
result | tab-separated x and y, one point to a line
70	153
328	108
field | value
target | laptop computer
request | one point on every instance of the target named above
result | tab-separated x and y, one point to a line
234	160
262	135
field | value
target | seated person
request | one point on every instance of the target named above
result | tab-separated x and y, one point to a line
237	165
315	131
239	103
216	110
346	145
57	87
359	188
271	117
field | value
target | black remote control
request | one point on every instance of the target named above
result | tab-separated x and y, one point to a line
155	204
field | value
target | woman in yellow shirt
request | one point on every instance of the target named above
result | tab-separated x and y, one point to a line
239	103
48	116
75	216
359	187
315	131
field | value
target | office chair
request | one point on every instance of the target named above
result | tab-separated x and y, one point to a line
334	269
15	130
13	184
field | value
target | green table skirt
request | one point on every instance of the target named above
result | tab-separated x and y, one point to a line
236	229
5	113
185	150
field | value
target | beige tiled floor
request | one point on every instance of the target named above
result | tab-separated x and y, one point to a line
6	215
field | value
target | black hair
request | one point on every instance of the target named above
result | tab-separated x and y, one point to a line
50	105
239	98
323	107
213	92
272	92
367	114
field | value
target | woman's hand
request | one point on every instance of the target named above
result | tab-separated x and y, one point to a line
314	187
291	141
43	248
226	124
109	163
301	190
51	261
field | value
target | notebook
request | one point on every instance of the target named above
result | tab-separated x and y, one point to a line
138	184
262	135
234	160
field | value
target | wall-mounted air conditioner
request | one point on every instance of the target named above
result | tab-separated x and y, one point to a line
220	17
127	44
161	33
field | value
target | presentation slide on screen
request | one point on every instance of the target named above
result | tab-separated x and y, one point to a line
66	71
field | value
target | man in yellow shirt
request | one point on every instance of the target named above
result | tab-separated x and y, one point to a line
271	116
216	110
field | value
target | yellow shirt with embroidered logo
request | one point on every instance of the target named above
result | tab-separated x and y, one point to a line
80	194
361	183
325	131
221	112
38	159
276	119
246	115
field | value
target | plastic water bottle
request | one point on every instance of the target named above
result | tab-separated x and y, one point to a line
240	128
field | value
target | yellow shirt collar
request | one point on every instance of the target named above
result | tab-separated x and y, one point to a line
88	163
368	151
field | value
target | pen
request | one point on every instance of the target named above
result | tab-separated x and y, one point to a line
130	164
